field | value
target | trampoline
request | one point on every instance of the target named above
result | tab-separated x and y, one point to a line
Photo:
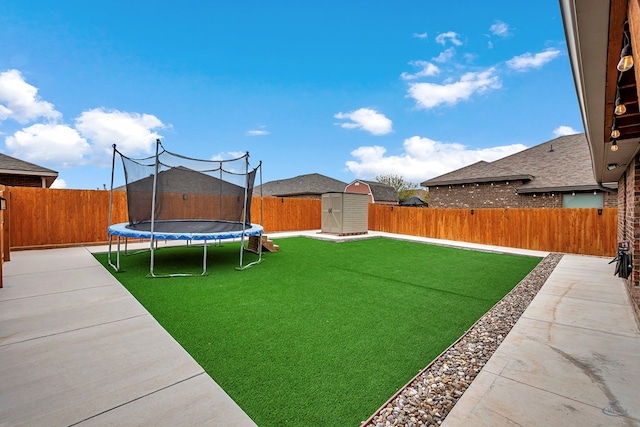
173	197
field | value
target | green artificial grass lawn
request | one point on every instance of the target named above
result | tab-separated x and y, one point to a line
320	333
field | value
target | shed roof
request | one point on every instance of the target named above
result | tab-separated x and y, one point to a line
380	192
12	166
561	164
301	185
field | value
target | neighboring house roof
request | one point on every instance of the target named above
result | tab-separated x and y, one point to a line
12	166
380	192
301	185
180	179
413	201
562	164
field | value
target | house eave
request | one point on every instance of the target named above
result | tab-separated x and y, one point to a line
477	180
588	32
49	177
562	189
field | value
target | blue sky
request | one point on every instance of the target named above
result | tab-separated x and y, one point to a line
348	89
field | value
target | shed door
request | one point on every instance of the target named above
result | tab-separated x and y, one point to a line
332	213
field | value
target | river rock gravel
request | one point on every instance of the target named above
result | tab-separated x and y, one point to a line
429	397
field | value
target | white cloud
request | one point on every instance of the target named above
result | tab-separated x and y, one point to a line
500	29
564	130
430	95
90	142
428	69
260	131
420	35
490	44
528	60
366	119
133	133
48	143
52	143
422	159
229	155
470	57
445	55
20	101
59	183
449	36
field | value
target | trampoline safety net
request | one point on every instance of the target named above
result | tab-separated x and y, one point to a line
187	190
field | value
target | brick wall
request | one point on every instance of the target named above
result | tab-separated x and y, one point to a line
21	180
611	199
498	195
629	224
487	195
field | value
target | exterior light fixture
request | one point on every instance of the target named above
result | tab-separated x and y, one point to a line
620	107
614	145
626	59
612	166
615	133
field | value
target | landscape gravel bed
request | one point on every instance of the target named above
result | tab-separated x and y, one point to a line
429	397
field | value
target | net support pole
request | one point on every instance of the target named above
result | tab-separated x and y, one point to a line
153	209
113	164
244	219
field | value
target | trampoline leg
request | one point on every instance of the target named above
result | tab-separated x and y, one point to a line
243	267
204	259
152	258
109	252
115	266
118	255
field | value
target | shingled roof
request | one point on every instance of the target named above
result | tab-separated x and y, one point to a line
562	164
381	192
301	185
12	166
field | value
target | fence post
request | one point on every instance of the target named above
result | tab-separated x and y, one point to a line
2	238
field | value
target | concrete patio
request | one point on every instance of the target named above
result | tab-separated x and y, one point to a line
77	348
571	359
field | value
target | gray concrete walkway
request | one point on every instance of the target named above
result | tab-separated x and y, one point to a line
77	348
571	360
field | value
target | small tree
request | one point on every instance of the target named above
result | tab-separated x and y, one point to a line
404	189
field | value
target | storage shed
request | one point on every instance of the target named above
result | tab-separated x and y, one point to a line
345	213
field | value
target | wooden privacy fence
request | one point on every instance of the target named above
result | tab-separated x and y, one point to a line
579	231
45	217
51	217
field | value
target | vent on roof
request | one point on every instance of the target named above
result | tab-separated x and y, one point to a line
550	148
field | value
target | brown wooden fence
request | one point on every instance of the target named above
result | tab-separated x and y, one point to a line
49	217
580	231
42	217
